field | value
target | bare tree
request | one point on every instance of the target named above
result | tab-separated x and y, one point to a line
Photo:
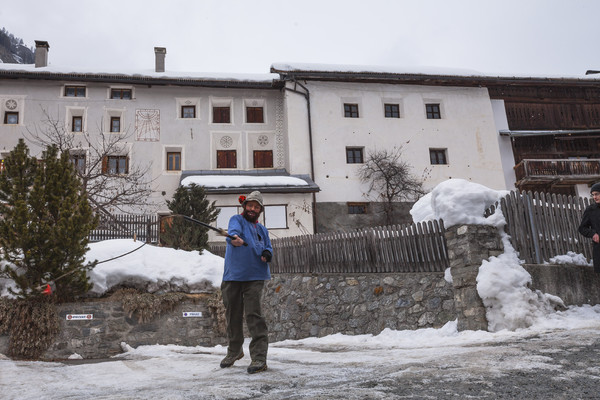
390	179
108	190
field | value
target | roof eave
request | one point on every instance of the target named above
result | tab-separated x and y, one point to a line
141	79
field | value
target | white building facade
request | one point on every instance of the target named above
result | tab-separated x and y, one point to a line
444	131
169	126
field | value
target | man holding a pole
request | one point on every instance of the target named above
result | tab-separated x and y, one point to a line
246	268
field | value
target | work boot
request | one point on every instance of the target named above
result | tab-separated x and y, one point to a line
231	358
257	366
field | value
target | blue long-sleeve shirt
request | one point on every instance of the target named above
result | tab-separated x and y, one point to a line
243	263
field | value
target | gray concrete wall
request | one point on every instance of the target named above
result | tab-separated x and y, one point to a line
334	217
574	284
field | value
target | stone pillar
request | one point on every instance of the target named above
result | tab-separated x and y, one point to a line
468	246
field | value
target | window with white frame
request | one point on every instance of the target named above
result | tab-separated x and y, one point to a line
254	111
78	159
121	93
114	120
76	121
276	217
226	214
188	107
11	118
221	111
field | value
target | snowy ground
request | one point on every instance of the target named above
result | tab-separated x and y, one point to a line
556	359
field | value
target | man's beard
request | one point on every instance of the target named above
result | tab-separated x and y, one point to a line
250	216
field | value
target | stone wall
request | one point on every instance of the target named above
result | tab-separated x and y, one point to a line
299	306
467	246
102	335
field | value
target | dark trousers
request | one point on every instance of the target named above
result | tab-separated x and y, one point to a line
244	299
596	257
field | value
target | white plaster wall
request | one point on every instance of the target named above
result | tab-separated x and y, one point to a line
195	137
466	129
504	143
296	122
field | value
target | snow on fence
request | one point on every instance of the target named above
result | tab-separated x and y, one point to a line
417	247
125	226
544	225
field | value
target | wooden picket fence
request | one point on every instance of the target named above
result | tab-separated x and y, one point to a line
544	225
409	248
125	226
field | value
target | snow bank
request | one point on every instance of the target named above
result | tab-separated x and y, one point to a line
502	283
458	201
152	268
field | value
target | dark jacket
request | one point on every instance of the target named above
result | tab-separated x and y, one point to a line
590	222
590	225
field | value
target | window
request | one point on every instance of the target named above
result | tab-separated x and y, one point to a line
276	217
174	161
438	156
77	124
78	161
74	91
392	110
433	111
115	165
226	159
115	124
221	115
254	115
124	94
188	111
225	214
11	118
350	110
263	158
354	155
357	208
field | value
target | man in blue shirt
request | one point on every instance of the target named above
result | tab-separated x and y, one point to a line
246	270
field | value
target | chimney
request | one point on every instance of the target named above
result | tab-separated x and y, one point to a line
41	53
160	53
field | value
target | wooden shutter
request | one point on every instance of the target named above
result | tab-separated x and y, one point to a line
226	159
263	158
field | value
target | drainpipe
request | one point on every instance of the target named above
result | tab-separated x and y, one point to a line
306	94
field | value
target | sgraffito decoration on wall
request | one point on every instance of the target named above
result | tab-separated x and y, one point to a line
147	125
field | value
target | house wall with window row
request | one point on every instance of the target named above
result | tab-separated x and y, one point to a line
166	129
444	132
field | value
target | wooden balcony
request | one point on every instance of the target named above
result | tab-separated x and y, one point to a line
557	171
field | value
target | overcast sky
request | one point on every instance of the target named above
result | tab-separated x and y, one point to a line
540	37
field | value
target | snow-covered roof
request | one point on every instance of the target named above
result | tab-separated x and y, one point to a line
331	69
107	73
267	181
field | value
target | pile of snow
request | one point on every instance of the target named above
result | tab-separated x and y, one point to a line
502	283
458	201
151	268
571	258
